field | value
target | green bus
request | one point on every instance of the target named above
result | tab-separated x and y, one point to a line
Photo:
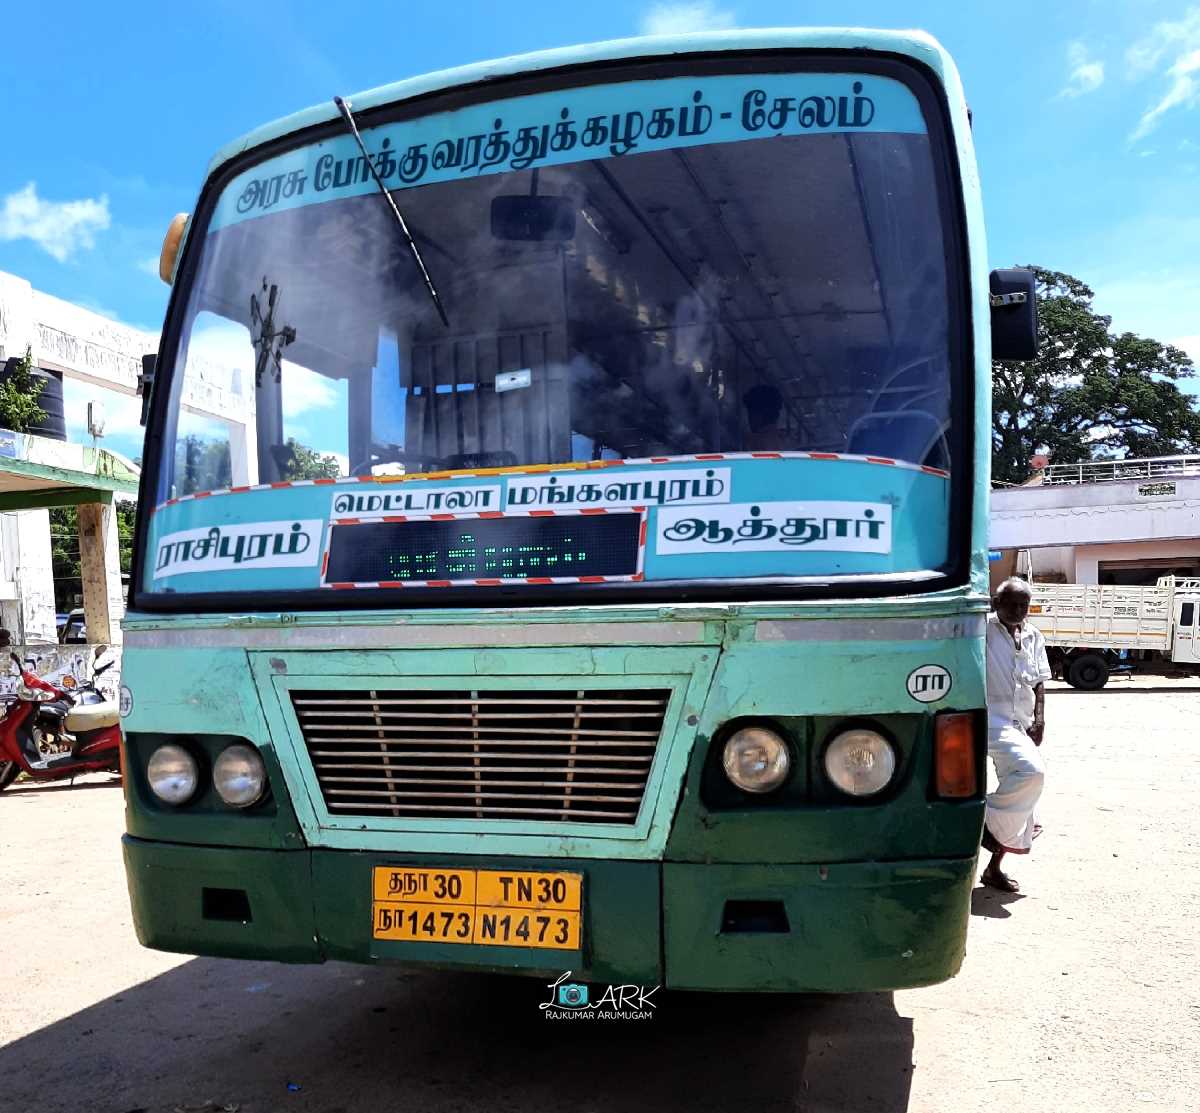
562	532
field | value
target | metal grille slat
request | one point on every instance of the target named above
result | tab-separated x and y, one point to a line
506	755
493	812
464	715
489	702
590	743
469	782
578	755
566	732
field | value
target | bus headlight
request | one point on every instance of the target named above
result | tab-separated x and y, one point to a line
239	776
173	774
860	762
756	759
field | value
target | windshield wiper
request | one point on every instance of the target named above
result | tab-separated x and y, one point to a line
343	107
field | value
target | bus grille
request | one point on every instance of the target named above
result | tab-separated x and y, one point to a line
582	756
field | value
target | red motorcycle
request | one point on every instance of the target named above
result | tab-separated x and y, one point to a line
76	719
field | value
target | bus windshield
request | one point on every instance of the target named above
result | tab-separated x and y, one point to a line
742	269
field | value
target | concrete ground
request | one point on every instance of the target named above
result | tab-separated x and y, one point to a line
1081	994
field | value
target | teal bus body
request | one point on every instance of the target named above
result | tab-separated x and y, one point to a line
866	893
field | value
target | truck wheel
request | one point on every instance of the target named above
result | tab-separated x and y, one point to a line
1088	672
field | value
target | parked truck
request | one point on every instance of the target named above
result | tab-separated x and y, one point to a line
1092	630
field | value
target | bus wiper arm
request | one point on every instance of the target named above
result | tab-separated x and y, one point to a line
343	107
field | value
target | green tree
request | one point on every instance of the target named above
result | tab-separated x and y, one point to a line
64	556
298	461
19	394
126	522
202	464
1090	394
64	549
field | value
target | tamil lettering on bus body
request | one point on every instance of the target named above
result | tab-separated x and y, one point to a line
417	500
520	147
286	544
634	488
825	526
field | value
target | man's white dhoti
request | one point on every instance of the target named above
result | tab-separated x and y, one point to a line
1016	665
1021	773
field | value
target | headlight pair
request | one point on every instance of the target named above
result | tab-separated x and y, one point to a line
238	775
859	761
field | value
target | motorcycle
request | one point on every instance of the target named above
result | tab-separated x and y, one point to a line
78	726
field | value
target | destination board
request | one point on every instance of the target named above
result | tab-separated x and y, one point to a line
517	548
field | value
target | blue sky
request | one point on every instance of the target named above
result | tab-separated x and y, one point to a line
1087	119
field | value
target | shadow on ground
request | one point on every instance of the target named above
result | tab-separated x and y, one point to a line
992	902
1116	688
361	1039
35	788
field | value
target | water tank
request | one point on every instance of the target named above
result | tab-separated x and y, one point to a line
53	424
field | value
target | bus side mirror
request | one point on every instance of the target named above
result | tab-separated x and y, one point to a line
1013	299
145	382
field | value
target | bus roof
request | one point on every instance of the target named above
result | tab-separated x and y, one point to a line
915	44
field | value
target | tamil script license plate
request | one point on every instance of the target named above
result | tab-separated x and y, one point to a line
499	908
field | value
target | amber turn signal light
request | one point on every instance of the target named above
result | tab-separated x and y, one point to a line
954	755
170	247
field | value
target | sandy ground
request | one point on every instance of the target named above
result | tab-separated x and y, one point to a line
1082	994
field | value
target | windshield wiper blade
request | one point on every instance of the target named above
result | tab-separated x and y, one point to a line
343	106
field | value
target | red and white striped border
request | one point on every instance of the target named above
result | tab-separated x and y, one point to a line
564	469
634	577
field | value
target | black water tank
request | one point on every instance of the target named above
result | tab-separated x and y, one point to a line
54	424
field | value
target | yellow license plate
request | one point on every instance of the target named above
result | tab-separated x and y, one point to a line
499	908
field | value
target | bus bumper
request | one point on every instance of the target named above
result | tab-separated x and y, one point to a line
838	928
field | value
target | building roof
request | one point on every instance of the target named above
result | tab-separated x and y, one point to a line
37	471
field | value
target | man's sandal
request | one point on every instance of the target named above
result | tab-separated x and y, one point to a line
1000	881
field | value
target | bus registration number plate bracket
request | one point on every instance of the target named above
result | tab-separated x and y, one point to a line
500	908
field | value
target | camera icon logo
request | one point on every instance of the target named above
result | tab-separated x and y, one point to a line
572	996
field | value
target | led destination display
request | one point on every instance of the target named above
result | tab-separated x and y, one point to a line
510	548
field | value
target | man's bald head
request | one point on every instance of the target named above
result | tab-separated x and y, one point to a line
1011	601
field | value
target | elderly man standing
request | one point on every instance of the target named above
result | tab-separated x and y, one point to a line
1017	671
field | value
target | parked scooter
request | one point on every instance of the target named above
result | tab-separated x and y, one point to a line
88	725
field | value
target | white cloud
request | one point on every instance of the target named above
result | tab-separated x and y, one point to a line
1178	43
1184	91
58	227
1086	76
1191	345
305	393
683	18
149	266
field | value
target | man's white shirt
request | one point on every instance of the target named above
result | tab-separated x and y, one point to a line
1013	668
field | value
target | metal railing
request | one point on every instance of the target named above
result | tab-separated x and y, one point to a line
1100	471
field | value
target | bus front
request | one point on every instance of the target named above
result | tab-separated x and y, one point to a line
561	536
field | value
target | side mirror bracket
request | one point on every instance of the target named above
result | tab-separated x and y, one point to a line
146	383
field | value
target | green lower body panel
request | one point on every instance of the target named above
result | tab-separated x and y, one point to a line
847	927
621	935
223	902
825	929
